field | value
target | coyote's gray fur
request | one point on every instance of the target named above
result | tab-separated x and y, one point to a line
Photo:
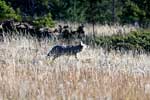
60	50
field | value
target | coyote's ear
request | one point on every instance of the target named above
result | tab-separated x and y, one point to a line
81	43
84	45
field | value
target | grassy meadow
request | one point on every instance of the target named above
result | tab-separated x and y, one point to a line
26	73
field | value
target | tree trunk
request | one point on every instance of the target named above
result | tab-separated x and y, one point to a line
93	27
113	11
32	6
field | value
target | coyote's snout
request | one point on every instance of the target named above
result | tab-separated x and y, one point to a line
59	50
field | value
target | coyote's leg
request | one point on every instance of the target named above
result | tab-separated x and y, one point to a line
54	57
76	56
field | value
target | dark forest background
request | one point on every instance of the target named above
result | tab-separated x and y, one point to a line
83	11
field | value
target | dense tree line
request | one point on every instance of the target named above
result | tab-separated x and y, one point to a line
92	11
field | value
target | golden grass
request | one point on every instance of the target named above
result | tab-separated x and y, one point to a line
102	30
25	74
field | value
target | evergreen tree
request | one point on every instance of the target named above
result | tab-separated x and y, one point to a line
7	12
132	13
91	11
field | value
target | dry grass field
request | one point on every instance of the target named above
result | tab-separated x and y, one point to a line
26	73
102	30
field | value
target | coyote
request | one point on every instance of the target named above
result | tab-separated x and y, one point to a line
60	50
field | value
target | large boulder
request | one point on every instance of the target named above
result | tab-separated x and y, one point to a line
8	25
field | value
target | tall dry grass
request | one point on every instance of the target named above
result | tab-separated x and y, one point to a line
102	30
26	74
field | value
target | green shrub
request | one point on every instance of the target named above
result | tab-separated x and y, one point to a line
44	21
7	12
132	41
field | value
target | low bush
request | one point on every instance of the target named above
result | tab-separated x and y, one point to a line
139	40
